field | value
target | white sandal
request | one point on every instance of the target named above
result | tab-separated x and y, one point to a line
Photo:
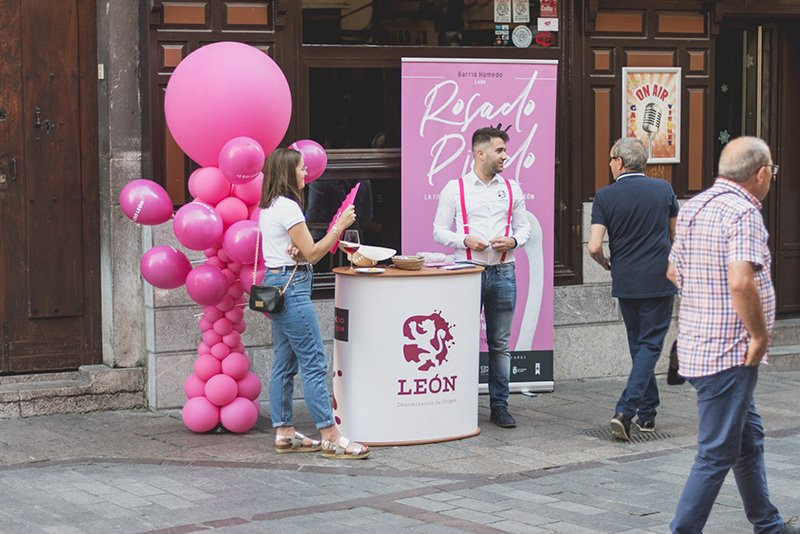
284	444
338	450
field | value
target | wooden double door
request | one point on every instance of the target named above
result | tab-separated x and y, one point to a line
49	216
757	75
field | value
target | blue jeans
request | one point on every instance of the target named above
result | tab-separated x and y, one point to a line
647	321
729	435
298	344
498	297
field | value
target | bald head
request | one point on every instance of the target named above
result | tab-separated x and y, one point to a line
742	158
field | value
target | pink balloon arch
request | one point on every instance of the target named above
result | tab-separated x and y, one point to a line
228	127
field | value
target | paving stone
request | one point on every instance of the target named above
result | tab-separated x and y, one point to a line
473	516
428	504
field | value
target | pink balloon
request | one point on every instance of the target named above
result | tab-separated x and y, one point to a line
223	326
203	348
215	262
235	267
221	389
212	313
239	241
209	184
220	351
197	226
211	338
250	193
206	285
241	160
239	416
235	292
236	365
199	415
206	366
314	156
227	303
210	252
230	275
234	315
232	210
249	386
222	256
193	386
246	277
233	339
255	213
145	202
239	327
226	90
204	324
165	267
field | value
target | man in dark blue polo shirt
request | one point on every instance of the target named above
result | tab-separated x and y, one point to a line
639	214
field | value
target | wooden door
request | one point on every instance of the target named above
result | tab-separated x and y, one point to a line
785	194
49	218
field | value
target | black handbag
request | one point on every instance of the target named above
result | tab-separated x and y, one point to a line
673	376
267	299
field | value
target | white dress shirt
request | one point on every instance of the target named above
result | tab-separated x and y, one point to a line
487	215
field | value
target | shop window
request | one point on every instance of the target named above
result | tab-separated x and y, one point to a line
377	217
355	108
409	22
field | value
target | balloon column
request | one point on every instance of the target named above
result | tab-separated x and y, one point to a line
227	105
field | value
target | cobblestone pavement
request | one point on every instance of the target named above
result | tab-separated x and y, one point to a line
556	472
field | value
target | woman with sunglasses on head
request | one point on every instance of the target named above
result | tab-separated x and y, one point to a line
295	329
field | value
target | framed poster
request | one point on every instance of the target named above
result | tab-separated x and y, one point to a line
443	102
651	110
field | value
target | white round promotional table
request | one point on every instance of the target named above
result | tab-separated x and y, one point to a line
405	355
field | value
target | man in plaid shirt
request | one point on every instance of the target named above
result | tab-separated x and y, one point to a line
720	263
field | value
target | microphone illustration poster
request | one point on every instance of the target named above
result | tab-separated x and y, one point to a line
651	110
443	102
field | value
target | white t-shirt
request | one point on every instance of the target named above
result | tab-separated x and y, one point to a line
274	223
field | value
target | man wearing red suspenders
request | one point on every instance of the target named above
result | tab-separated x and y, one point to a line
490	220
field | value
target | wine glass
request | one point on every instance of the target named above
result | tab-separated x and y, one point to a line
350	242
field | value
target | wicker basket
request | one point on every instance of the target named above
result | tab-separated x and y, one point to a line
409	263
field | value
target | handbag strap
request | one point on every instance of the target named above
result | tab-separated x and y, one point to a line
255	265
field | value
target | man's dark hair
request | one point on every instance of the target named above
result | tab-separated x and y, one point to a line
484	135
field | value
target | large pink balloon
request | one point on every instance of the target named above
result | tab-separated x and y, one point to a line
236	365
239	241
197	226
165	267
250	193
206	366
232	210
145	202
241	160
199	415
221	389
209	185
314	156
207	286
226	90
246	276
239	416
250	386
193	386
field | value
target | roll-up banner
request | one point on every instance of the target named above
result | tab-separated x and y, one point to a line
443	102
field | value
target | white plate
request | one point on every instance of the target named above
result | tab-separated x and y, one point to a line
369	270
376	253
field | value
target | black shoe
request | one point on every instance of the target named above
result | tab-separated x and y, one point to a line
501	417
646	426
621	426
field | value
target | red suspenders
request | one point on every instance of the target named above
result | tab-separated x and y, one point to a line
464	213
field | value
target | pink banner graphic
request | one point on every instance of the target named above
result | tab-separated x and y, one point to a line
443	102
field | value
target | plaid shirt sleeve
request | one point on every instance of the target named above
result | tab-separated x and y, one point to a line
746	239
